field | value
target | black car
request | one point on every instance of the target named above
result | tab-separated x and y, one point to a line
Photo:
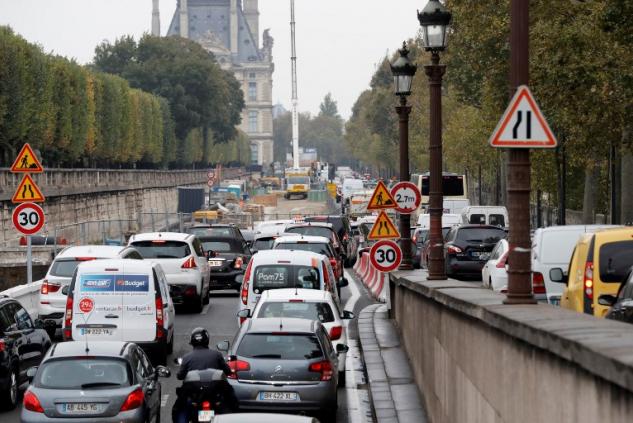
343	229
468	247
215	230
23	344
622	303
228	258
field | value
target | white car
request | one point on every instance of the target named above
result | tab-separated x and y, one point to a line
306	304
184	262
494	274
52	297
270	225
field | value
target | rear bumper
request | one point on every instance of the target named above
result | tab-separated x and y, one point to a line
186	278
225	280
132	416
319	396
179	296
468	268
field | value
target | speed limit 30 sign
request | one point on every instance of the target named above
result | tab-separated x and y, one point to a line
28	218
385	255
407	196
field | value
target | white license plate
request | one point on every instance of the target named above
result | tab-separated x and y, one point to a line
83	408
215	263
205	415
278	396
96	331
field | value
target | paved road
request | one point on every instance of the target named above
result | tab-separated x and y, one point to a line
219	319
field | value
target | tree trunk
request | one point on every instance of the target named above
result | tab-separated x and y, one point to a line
626	195
592	173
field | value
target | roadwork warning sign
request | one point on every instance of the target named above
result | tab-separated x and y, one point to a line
381	199
27	161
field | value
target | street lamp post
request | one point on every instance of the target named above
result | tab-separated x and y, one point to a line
403	72
435	20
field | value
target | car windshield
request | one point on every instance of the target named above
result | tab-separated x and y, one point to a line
263	244
83	373
280	346
305	246
162	249
65	267
485	235
311	231
615	260
300	310
222	246
274	276
299	180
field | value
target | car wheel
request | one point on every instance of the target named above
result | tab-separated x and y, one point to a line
330	414
199	304
205	298
341	378
9	397
170	346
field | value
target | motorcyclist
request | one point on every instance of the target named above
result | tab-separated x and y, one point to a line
201	358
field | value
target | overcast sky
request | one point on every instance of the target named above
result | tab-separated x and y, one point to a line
339	42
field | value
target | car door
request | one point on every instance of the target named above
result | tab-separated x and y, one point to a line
150	384
202	261
623	308
18	339
488	268
169	312
34	338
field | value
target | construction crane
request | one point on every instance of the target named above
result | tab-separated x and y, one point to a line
295	99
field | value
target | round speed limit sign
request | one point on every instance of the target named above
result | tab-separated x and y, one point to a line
407	196
385	255
28	218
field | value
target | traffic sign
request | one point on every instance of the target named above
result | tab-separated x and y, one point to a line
86	304
381	198
211	182
407	196
383	228
211	174
27	161
28	218
523	124
386	256
28	191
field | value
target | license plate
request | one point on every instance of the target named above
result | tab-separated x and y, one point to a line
476	254
278	396
96	331
83	408
205	415
215	263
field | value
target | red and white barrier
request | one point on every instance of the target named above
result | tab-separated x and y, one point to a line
376	282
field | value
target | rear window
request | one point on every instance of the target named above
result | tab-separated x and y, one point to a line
313	247
299	180
311	311
477	219
64	267
222	246
338	224
557	247
263	244
285	276
282	346
223	232
80	373
616	258
497	220
162	249
485	235
311	230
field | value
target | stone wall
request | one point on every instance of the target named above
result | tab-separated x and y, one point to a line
477	360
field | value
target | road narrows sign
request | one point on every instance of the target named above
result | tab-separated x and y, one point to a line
407	196
28	218
383	228
27	161
523	124
385	256
28	192
381	199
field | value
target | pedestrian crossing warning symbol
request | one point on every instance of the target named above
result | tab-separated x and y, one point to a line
381	198
27	161
383	228
28	192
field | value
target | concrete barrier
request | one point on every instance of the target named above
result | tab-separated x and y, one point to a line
27	295
478	360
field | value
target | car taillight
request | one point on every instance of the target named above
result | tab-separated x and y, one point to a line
324	367
453	249
239	262
238	366
589	280
247	275
68	318
31	402
134	400
502	262
538	283
160	331
190	263
48	287
336	332
3	345
206	405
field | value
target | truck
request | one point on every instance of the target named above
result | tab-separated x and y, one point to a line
297	183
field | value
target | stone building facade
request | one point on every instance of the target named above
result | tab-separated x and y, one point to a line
230	30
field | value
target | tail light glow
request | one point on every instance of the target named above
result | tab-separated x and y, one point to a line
32	403
160	318
247	275
239	262
324	367
49	287
206	406
190	263
68	318
336	332
452	249
538	283
134	400
238	366
589	280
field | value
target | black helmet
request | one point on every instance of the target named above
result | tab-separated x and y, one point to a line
199	338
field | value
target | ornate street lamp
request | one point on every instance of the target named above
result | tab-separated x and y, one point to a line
403	72
435	20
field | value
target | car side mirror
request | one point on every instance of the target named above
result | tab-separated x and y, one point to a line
223	346
341	348
30	373
244	314
343	283
162	371
211	254
348	315
607	300
557	275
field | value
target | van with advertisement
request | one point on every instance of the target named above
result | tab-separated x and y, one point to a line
121	300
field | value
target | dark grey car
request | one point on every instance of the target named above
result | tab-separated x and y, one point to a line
109	382
284	365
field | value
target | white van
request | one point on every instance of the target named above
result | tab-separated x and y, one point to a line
486	215
121	300
352	186
424	220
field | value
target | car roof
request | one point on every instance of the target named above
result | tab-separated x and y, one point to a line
285	324
298	293
167	236
308	239
296	257
78	348
308	224
97	251
478	226
126	266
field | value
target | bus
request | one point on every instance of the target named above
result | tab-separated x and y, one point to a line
454	186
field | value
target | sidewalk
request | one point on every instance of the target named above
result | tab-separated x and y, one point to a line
394	395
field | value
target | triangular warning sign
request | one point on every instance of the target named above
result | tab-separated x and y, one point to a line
383	228
523	124
28	192
27	161
381	198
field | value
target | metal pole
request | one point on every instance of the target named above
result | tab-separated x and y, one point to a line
435	72
29	260
405	219
518	168
613	185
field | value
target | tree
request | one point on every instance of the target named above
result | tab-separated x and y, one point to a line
329	107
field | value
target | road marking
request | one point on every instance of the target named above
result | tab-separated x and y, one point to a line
351	302
358	410
164	399
205	310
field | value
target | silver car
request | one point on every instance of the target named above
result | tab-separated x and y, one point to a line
99	382
284	365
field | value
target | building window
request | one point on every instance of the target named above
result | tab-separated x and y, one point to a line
252	120
252	91
252	75
254	153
